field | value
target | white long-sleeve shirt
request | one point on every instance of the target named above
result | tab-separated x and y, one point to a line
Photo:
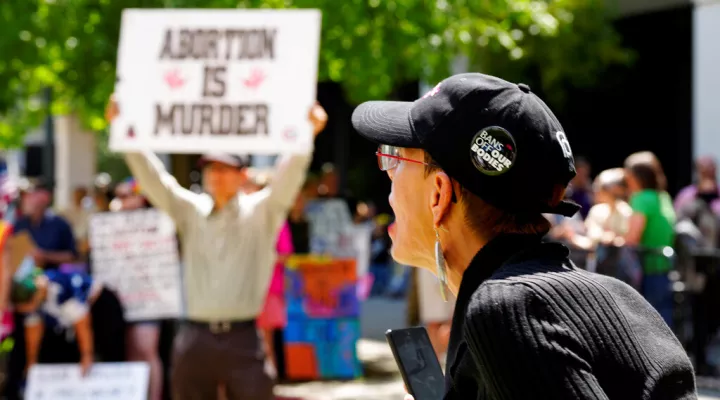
228	254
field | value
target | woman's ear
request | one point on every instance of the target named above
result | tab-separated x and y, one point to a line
441	197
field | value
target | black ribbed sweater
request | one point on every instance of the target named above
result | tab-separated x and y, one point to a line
528	325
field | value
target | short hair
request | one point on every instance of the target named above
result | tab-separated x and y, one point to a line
646	168
489	221
609	179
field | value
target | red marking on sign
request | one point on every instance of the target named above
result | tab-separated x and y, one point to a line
173	79
131	132
289	133
256	78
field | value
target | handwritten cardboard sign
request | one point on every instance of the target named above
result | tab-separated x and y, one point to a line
136	253
331	228
193	81
106	381
20	247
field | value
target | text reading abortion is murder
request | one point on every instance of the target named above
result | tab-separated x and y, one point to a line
193	81
217	47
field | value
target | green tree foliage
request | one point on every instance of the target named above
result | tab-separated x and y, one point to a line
369	46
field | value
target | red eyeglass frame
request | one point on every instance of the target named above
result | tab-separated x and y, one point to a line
380	154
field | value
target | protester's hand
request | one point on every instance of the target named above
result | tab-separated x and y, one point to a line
86	362
38	256
407	395
27	369
318	118
111	110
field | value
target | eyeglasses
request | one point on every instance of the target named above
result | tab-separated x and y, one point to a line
389	157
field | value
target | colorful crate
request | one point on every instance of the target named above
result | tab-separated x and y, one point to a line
323	319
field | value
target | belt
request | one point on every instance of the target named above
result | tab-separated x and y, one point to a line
226	326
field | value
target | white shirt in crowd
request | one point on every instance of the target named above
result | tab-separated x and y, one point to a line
228	254
603	218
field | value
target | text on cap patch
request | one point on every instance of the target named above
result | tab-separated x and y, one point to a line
493	150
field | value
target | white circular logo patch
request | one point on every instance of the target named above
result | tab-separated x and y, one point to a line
493	150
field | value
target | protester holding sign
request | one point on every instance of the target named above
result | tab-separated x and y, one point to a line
474	164
143	336
228	240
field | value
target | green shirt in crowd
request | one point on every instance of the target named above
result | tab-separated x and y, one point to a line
657	208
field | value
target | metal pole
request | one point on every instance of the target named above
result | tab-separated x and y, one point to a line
49	148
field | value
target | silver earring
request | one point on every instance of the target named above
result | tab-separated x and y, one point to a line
441	267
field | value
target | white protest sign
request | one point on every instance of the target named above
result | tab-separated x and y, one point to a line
136	253
238	81
362	238
331	228
106	381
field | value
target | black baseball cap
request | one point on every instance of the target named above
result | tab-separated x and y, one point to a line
496	138
224	158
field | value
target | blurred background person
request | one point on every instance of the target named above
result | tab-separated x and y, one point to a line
609	218
56	301
607	224
705	188
698	205
299	225
103	192
435	313
381	266
142	337
580	188
78	215
228	241
651	228
54	245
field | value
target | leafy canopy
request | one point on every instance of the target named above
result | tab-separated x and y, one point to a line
369	46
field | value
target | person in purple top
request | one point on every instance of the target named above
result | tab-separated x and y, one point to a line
705	188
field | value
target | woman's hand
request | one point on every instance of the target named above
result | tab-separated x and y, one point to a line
111	110
408	396
86	362
318	118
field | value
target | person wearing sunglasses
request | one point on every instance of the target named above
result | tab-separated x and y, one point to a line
474	164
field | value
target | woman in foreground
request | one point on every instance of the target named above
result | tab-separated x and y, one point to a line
474	164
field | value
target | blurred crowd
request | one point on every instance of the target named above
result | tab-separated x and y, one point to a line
63	255
631	228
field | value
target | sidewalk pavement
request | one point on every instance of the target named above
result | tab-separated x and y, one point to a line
381	382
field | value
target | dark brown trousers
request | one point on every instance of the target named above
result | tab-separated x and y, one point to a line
204	361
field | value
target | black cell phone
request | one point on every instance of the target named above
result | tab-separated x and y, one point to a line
419	366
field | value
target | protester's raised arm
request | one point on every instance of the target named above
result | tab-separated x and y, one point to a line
291	170
161	188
